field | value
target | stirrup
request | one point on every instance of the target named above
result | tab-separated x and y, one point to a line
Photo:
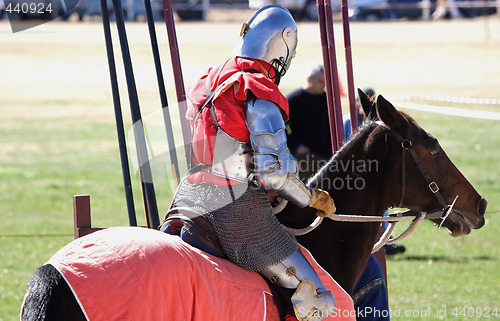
309	305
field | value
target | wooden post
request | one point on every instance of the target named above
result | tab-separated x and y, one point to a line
81	216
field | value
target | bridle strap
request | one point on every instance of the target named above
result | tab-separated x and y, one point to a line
407	145
433	186
403	177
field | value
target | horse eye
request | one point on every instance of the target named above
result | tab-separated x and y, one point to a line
434	151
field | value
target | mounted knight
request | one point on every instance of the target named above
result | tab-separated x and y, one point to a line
241	163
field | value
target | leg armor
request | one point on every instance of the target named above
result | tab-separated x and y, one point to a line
311	301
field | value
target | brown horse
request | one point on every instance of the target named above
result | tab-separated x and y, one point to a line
373	171
382	176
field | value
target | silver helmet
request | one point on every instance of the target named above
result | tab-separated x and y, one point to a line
269	35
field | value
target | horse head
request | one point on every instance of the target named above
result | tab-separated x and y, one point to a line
423	178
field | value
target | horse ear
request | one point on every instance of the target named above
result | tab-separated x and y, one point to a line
388	114
368	104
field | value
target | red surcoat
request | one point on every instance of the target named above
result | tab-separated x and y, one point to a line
228	106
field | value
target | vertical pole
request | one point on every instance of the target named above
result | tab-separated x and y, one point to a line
148	193
331	73
178	78
163	94
348	62
118	116
328	79
335	76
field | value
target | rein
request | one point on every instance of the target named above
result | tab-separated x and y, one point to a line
393	218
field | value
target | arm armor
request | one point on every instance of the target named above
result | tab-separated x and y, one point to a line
274	166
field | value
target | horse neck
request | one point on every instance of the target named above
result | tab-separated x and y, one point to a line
354	176
344	248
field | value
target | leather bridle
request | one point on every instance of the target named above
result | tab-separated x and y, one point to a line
407	146
393	218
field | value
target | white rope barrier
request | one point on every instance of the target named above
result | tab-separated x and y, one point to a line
449	111
451	99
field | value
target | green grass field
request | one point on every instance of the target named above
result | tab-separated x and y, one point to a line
57	139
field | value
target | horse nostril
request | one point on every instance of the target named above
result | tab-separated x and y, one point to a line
481	208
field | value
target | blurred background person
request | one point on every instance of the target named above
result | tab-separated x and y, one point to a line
445	6
308	129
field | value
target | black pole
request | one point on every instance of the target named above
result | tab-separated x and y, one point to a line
147	187
118	116
163	94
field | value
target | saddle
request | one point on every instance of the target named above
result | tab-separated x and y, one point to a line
192	228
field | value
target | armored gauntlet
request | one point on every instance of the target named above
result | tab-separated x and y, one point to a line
322	201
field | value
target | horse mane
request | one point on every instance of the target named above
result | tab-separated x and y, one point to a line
365	129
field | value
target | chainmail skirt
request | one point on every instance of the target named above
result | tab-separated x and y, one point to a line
249	233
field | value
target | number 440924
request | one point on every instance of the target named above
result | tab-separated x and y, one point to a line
478	312
29	7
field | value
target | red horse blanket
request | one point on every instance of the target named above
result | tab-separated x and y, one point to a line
130	273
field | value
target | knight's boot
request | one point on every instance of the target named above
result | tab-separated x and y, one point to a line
311	300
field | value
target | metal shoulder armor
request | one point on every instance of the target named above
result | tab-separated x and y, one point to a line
274	166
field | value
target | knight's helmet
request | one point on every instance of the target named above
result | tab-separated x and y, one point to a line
270	35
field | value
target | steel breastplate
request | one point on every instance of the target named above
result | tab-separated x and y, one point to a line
231	157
